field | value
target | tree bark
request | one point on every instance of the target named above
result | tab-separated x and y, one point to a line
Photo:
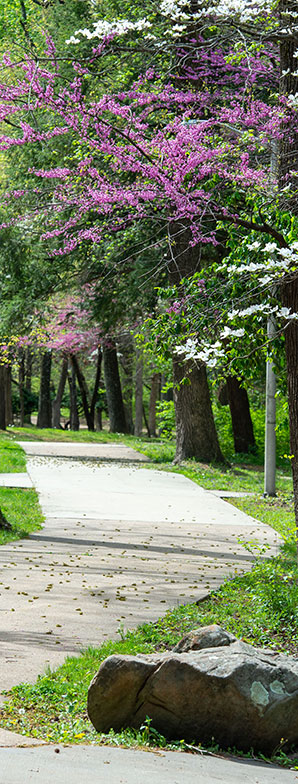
96	386
4	524
73	412
8	396
139	394
243	434
113	390
28	380
2	398
56	404
84	391
154	396
125	343
44	418
21	386
195	429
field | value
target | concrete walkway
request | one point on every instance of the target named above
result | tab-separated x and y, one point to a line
105	765
121	544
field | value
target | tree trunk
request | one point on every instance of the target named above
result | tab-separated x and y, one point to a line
56	404
21	386
2	398
154	396
139	394
96	386
73	412
195	429
4	524
28	380
113	391
44	418
84	391
125	343
98	419
244	440
8	396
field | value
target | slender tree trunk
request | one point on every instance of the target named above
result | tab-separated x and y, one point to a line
98	419
21	385
126	347
113	390
244	440
84	391
154	396
195	429
4	524
2	398
44	418
8	396
139	394
96	386
56	404
28	380
73	412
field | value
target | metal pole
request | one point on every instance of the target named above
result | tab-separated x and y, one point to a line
270	423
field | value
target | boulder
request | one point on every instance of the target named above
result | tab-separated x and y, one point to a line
233	693
206	637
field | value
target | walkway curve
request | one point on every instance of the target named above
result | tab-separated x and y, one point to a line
120	545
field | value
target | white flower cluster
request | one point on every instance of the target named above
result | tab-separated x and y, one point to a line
266	309
251	310
102	29
232	333
175	9
293	100
245	10
273	265
209	354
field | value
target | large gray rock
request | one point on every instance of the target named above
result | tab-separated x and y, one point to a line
235	694
206	637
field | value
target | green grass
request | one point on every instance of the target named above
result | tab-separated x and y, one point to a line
19	506
21	509
12	456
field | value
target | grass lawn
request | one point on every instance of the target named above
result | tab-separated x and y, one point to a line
12	456
19	506
21	509
260	606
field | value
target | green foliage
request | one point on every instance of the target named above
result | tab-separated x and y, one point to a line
12	456
21	509
165	417
19	506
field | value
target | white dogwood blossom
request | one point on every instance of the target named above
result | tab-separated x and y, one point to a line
232	333
208	353
244	10
103	29
175	9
